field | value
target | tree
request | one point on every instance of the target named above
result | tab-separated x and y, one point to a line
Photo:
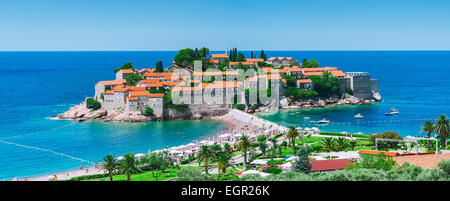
274	147
428	128
262	55
263	147
185	57
328	144
132	80
127	65
204	154
441	128
352	144
240	57
341	144
251	55
326	85
159	67
110	164
244	144
223	161
226	148
292	134
378	162
92	104
302	163
147	112
154	163
386	135
128	165
310	64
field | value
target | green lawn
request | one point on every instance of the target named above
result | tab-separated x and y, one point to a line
145	176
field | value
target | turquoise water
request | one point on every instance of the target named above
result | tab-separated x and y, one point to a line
417	83
38	85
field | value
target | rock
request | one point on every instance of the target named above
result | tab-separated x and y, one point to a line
320	103
197	116
284	102
81	112
376	96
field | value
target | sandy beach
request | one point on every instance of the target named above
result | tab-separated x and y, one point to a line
239	123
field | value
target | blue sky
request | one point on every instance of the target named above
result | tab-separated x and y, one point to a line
248	25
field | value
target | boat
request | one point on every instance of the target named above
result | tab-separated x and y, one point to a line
394	111
305	117
323	121
388	114
358	116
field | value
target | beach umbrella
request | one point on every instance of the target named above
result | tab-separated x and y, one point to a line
224	135
292	158
120	158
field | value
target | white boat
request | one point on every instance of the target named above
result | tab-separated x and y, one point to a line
358	116
305	117
323	121
394	111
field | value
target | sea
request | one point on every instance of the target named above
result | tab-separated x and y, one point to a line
35	86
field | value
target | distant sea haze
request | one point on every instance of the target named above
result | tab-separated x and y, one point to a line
38	85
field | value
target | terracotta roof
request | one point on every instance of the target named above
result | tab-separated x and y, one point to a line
427	161
279	58
137	88
255	60
214	61
304	81
121	89
219	55
375	152
338	73
148	81
154	85
312	73
113	82
150	70
139	93
283	80
156	95
270	76
127	70
160	74
132	98
173	83
329	165
214	73
109	92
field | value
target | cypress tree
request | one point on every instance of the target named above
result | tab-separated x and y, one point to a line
159	67
251	55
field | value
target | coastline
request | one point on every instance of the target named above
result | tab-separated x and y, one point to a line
249	124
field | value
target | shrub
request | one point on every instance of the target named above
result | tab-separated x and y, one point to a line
274	170
379	161
300	94
147	112
93	104
284	143
386	135
239	106
445	166
191	174
186	161
302	163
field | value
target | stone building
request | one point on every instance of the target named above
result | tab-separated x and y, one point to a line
122	74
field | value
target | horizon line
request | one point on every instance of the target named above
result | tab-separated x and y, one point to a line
214	50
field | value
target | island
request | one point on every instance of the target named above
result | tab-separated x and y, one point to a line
203	85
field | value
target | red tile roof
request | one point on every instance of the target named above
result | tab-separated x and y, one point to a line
304	81
113	82
375	152
127	70
329	165
219	55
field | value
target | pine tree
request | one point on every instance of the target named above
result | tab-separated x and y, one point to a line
302	163
159	67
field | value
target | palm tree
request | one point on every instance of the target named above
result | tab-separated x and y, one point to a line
244	144
441	128
428	128
292	134
110	164
128	165
341	143
223	161
328	144
206	152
